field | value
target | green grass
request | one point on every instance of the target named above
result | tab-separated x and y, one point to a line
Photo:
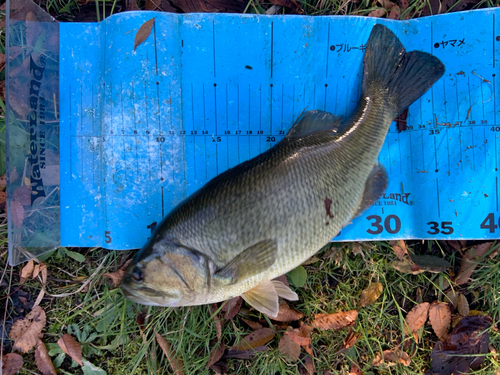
334	284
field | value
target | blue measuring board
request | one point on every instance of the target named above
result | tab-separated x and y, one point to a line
143	129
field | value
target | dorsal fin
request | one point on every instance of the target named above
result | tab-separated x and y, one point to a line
314	121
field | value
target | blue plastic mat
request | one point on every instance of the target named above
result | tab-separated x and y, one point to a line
142	130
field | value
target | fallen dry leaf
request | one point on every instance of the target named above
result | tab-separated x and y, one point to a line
440	318
307	366
351	338
232	307
430	263
399	248
416	318
253	325
303	341
16	213
244	354
176	364
11	364
71	347
379	12
25	332
395	13
391	357
335	321
23	195
465	347
370	294
217	321
216	354
42	359
115	277
39	268
289	348
452	297
355	370
143	32
26	271
462	305
286	314
470	260
255	339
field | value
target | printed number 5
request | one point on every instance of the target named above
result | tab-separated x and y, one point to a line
446	227
107	236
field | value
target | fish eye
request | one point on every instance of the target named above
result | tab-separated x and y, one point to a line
137	274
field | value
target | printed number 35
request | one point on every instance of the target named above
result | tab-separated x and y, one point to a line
446	227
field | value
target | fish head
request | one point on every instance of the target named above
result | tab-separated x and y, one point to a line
166	273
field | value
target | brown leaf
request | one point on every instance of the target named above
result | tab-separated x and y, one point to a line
379	12
395	13
286	314
462	305
176	364
451	297
305	342
399	248
143	32
307	367
23	195
25	332
71	347
255	339
3	197
253	325
115	277
370	294
39	268
335	321
351	338
470	260
216	354
289	348
217	322
417	317
461	352
11	364
244	354
391	357
17	213
26	271
232	307
440	318
355	370
42	359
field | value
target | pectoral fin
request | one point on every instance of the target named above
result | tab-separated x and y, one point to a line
375	185
264	298
252	261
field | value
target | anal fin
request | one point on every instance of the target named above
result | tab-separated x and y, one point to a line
375	186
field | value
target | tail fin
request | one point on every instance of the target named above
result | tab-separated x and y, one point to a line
389	70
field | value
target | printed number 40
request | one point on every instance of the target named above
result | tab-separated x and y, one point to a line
489	223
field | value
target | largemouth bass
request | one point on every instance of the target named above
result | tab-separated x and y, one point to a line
268	215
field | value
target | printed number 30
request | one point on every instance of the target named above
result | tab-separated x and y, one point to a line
388	226
445	227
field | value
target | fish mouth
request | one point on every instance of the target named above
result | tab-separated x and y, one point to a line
148	296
